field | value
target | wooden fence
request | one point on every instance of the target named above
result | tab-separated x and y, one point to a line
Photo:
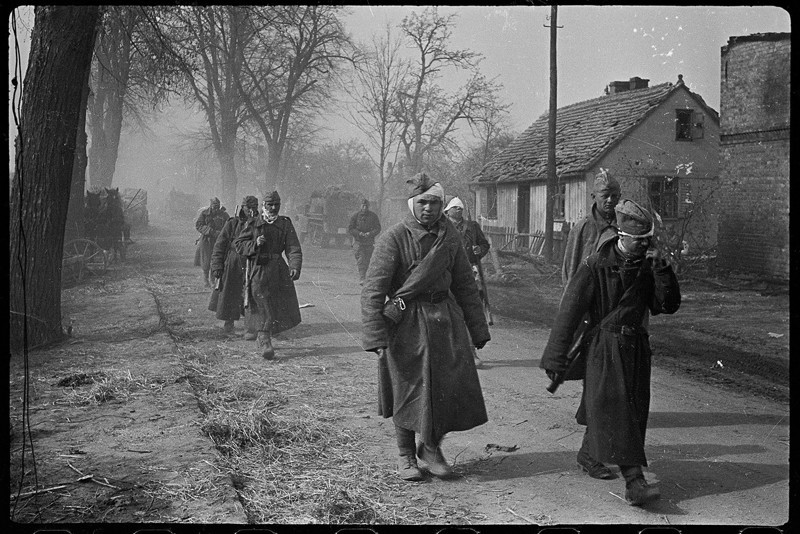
506	238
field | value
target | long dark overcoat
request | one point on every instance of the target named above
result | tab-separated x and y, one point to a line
228	302
428	381
272	296
616	393
209	223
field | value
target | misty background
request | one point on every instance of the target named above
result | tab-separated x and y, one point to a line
165	146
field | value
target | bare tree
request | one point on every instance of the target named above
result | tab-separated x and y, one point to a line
287	68
427	113
204	43
62	42
373	91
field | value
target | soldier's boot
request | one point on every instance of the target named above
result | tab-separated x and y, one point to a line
265	344
432	455
228	327
407	467
205	279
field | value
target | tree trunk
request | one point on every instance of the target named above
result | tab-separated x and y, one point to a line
74	227
62	42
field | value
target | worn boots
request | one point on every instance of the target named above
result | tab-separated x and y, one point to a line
434	458
265	344
228	327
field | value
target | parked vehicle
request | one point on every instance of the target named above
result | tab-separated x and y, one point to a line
329	214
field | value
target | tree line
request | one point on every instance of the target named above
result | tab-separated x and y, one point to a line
263	76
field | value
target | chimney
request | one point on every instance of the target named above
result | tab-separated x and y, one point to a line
617	87
621	86
639	83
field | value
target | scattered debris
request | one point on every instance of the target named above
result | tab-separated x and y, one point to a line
718	364
306	305
772	334
503	448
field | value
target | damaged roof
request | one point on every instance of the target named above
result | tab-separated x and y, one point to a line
584	133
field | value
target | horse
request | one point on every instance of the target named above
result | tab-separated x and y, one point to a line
104	221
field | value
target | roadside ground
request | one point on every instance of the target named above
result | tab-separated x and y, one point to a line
150	413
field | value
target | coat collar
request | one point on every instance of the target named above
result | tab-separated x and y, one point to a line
418	231
600	222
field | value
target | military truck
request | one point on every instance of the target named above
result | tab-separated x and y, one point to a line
329	213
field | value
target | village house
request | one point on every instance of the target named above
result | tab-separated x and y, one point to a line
755	147
661	143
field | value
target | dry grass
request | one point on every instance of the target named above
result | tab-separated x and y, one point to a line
106	386
292	462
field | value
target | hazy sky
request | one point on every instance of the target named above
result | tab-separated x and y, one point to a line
596	45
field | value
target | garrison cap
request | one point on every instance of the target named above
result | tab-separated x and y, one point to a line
272	198
422	184
603	180
634	220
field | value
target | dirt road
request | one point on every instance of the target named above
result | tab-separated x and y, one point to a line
152	451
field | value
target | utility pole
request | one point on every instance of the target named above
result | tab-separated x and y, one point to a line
550	189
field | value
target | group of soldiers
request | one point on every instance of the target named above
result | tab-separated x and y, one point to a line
425	315
243	260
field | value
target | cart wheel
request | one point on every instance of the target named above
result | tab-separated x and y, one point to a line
94	257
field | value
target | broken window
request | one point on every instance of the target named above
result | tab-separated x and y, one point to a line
491	202
683	124
663	193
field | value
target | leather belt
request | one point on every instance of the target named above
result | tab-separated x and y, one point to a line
625	330
432	297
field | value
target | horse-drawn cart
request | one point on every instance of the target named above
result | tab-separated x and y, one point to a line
82	256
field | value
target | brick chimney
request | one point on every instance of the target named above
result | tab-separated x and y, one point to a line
621	86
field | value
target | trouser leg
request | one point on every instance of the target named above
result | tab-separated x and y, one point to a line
405	441
631	472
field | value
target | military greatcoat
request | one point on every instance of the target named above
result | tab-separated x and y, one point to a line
228	301
427	382
272	296
616	394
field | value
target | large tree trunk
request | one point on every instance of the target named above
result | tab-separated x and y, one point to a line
74	226
60	58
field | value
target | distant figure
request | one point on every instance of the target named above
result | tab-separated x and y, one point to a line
209	223
364	226
270	297
475	245
617	286
301	227
228	268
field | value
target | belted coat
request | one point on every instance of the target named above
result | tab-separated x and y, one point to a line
616	393
228	301
427	381
270	289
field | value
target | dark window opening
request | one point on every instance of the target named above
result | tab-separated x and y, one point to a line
683	124
663	194
491	202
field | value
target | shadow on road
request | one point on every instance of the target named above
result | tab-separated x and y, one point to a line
698	419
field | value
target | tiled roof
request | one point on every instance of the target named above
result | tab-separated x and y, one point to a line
584	132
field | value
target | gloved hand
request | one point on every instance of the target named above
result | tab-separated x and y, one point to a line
294	274
480	345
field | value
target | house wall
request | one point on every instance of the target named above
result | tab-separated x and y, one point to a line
755	149
651	150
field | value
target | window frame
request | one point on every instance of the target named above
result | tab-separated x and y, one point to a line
491	202
684	130
657	201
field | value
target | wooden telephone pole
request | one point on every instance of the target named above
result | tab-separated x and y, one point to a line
550	190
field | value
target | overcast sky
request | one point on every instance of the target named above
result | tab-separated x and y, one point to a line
596	45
